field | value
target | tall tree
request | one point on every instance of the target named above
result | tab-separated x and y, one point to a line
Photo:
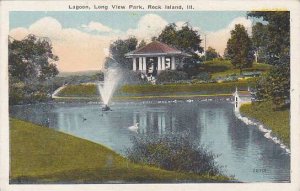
31	59
119	48
239	48
169	35
186	38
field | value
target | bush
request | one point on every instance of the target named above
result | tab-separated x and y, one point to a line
23	93
171	76
173	152
132	77
202	76
16	94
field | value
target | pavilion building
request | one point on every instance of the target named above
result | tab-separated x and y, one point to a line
155	57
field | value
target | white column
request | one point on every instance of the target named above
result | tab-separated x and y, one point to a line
173	119
173	63
144	122
163	124
144	64
159	123
140	64
163	63
159	63
134	64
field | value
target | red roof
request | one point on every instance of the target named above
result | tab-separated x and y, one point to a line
155	48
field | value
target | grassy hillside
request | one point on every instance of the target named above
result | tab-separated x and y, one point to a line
223	68
277	121
42	155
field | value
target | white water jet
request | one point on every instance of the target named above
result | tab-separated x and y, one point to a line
106	89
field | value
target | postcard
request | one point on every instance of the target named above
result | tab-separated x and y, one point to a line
150	95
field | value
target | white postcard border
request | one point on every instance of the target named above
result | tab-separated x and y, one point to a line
199	5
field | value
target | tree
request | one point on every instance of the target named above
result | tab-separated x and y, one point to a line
211	53
31	59
239	48
260	41
169	35
189	39
186	39
276	85
119	48
278	35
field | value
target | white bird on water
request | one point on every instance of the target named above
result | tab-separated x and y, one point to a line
134	127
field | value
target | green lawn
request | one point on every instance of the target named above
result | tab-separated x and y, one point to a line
42	155
277	121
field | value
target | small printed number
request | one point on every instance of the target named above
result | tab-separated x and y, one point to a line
259	170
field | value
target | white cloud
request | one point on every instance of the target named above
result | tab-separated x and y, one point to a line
218	39
77	50
95	26
148	26
47	26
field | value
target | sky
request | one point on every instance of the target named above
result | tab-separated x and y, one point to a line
81	39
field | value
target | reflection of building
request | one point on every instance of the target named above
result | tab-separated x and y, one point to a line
155	122
241	97
154	58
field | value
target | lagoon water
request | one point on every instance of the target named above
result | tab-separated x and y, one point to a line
243	150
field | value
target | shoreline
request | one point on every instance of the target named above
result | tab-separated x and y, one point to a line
262	128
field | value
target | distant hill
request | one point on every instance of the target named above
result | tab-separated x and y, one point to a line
80	73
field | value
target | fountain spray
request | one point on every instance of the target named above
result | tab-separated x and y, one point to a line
106	89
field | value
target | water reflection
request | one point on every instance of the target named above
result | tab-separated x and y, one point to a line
242	148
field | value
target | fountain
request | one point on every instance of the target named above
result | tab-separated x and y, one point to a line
106	89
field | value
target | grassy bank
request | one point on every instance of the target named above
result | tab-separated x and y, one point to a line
209	88
42	155
148	91
277	121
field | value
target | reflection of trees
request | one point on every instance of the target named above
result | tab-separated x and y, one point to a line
240	135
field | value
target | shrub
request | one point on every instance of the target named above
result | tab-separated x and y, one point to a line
173	152
202	76
132	77
171	76
16	94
